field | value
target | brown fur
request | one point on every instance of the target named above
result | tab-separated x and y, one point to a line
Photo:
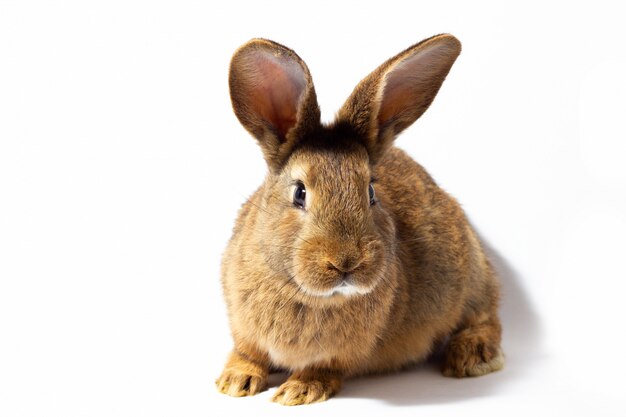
417	272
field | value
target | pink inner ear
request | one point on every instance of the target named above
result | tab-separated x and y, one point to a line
275	86
412	84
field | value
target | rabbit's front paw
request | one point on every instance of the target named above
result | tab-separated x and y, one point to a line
238	384
242	377
307	388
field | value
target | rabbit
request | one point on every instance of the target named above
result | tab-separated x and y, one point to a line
349	259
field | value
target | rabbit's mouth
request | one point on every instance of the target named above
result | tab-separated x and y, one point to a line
346	288
339	271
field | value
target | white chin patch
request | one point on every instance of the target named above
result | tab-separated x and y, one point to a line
347	290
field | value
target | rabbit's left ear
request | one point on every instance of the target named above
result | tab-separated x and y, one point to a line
397	93
273	97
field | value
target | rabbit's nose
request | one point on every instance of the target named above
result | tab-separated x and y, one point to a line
345	265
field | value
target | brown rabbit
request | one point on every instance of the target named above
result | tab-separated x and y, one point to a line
349	259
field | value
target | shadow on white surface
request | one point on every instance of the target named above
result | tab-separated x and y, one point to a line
424	384
522	332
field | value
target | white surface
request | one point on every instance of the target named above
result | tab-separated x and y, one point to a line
122	167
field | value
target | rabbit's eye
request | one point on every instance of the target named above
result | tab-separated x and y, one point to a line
372	195
299	195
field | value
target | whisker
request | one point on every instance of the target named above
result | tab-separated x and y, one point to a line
315	334
303	239
284	305
418	239
257	245
309	212
264	209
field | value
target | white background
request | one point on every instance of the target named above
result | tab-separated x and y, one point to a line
122	167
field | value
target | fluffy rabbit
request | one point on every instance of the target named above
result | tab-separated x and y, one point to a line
349	259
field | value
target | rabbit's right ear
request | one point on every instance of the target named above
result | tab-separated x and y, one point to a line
273	97
397	93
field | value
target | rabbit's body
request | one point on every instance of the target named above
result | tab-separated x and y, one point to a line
324	282
399	323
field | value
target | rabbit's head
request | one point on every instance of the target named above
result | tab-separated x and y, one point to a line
321	219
